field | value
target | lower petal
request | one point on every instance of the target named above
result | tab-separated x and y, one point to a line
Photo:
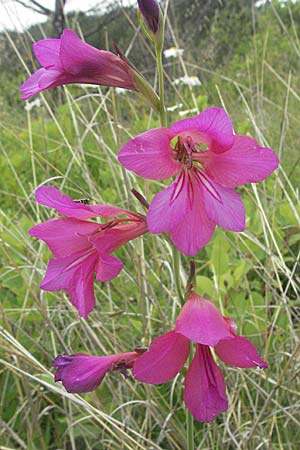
195	229
204	387
108	267
239	352
223	205
81	291
164	359
31	85
169	206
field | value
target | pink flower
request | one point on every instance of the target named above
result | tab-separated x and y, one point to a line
82	248
70	60
209	161
83	373
204	389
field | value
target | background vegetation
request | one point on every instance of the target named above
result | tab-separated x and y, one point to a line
247	59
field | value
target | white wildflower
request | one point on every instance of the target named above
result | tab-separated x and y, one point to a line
188	81
187	111
29	105
173	108
173	52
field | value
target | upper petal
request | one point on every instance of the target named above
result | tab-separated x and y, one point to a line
47	53
239	352
211	127
195	229
149	155
164	359
245	162
204	387
223	205
169	206
50	196
201	321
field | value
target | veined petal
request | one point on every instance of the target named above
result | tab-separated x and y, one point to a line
31	86
50	196
164	359
245	162
211	127
149	155
60	271
65	236
195	229
223	205
108	267
47	53
169	206
204	387
81	288
239	352
201	321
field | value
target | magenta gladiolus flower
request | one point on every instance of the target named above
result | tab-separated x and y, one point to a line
204	389
82	248
70	60
209	161
83	373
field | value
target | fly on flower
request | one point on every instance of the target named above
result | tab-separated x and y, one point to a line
208	161
81	247
204	389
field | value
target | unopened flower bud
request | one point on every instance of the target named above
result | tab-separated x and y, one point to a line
150	12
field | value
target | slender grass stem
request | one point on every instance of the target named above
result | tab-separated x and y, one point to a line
163	115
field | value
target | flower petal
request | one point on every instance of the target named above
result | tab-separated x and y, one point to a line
164	359
81	288
223	205
204	387
201	321
245	162
195	229
61	271
65	236
212	127
82	373
170	205
239	352
87	64
47	53
108	267
149	155
31	86
50	196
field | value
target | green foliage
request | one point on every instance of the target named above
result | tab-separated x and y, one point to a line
252	276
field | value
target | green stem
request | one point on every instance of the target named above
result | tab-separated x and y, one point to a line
189	425
162	109
176	266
